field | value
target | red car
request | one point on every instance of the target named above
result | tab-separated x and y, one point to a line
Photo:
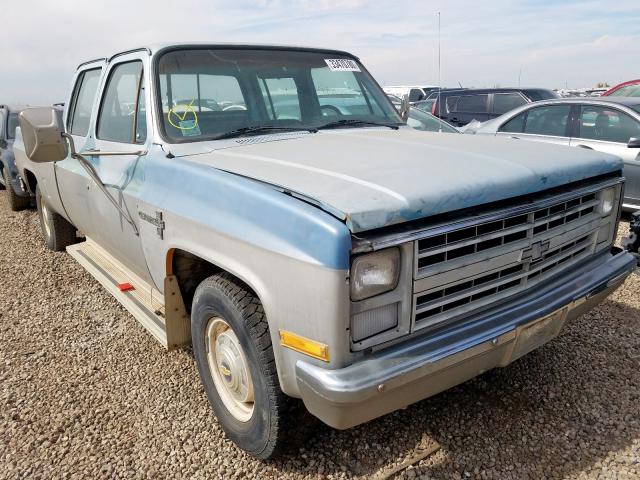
626	89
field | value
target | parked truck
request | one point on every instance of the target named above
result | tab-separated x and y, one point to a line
341	259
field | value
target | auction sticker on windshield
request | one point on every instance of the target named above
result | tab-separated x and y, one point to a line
342	65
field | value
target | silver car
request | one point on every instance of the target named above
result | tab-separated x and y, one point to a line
606	125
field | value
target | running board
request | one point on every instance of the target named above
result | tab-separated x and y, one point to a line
171	328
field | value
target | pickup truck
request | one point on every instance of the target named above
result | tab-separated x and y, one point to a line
308	252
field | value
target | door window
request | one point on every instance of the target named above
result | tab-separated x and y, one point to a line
120	118
472	104
550	120
607	124
84	95
515	125
503	102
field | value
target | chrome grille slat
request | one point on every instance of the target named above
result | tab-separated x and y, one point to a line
478	239
452	276
502	279
576	210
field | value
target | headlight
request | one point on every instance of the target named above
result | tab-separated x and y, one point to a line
374	273
607	200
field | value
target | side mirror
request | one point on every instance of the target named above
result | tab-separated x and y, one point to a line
42	130
633	143
404	108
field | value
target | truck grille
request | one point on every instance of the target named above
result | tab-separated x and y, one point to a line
466	268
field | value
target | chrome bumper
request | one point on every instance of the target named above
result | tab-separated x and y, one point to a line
433	362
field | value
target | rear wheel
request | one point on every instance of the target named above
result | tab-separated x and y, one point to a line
15	202
233	351
58	233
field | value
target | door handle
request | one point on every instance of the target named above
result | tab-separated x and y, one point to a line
585	146
454	119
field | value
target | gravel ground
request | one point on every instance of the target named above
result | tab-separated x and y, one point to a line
86	393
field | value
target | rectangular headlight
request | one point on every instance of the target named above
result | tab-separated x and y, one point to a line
374	273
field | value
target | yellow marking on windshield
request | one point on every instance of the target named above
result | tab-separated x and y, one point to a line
187	110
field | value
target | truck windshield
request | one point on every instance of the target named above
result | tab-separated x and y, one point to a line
210	93
12	124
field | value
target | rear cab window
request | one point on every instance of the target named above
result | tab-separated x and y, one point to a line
82	100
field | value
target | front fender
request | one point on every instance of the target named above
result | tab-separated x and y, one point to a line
292	254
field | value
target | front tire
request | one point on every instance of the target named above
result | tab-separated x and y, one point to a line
234	355
15	202
57	232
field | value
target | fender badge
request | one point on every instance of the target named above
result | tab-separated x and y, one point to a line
156	221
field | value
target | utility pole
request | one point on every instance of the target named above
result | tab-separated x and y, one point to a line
439	73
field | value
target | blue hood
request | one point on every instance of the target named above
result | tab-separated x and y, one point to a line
372	178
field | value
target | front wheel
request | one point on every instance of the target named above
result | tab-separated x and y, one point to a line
234	355
58	233
15	201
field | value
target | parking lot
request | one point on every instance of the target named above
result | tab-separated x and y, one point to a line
85	392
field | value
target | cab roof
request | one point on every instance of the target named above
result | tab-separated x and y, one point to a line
156	48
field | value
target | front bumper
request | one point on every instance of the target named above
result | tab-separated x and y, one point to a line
428	364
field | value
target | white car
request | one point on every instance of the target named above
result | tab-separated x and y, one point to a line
604	124
415	92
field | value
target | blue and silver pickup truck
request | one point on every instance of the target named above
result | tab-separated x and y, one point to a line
268	205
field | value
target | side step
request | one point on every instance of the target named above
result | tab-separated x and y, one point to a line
144	302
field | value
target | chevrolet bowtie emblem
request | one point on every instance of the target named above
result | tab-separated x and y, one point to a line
537	250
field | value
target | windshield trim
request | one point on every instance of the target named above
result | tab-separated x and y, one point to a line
155	77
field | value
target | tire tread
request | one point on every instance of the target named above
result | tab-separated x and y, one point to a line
284	409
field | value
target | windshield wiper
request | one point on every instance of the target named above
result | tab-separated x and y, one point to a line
238	132
352	122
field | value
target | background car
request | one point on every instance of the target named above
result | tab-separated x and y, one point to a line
610	125
625	89
17	197
421	120
461	106
415	92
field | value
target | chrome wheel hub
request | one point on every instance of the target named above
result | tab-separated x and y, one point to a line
229	369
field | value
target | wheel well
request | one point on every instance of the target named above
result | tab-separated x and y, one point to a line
31	181
190	271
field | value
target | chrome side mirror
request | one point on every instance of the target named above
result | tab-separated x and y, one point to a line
404	108
42	133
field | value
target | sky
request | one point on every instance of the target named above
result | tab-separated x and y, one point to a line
541	43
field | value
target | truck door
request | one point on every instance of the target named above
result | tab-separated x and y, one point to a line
72	180
121	126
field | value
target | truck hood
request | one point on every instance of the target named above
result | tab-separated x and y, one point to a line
372	178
